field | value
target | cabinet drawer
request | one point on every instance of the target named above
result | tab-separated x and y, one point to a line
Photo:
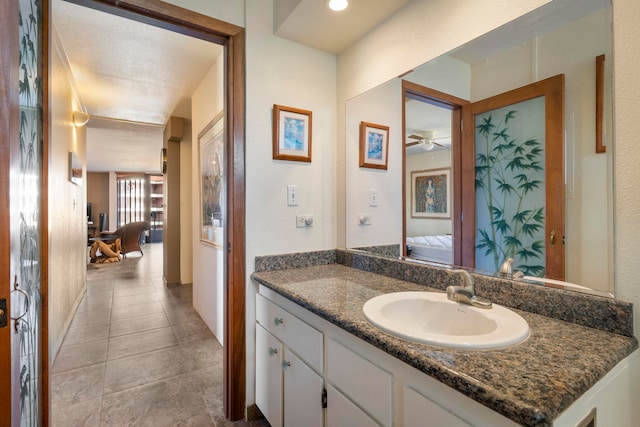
301	338
366	384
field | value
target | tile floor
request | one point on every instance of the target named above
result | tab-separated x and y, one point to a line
138	354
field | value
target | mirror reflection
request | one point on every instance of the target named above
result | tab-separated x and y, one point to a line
555	39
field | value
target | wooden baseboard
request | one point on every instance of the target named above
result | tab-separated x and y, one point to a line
254	413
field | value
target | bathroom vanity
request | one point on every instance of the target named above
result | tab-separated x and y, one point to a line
320	362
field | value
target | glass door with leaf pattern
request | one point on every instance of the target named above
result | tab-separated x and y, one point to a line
513	180
23	367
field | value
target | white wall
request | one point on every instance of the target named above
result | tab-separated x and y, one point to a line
67	201
626	44
186	204
571	51
382	106
285	73
208	265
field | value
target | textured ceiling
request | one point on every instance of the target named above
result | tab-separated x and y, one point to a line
130	71
312	23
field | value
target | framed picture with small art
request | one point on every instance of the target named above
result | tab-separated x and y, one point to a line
431	193
374	145
291	134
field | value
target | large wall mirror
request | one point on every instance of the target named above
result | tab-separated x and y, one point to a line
416	196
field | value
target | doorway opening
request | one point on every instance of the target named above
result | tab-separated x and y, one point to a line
231	37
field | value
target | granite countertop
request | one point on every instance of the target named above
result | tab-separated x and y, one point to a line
531	383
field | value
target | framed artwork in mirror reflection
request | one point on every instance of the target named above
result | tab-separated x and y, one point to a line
431	193
291	134
374	145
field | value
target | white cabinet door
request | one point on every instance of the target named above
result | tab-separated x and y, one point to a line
269	376
341	412
302	393
365	383
419	411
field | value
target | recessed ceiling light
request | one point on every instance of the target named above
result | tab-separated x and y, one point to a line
338	5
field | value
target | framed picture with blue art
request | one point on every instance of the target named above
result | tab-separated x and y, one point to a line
374	145
431	193
291	134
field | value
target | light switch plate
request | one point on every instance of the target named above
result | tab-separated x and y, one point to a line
292	195
373	197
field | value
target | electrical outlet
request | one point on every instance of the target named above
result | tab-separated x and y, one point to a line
292	195
364	219
304	221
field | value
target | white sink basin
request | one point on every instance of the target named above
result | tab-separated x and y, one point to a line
431	318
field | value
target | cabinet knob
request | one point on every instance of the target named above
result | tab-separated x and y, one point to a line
273	351
278	321
285	364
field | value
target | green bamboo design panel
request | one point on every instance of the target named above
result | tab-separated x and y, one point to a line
27	222
510	187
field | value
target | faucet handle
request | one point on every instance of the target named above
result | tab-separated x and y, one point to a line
506	270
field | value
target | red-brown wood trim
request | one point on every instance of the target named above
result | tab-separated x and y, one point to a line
553	91
456	175
235	328
167	16
184	21
468	193
9	134
421	93
600	144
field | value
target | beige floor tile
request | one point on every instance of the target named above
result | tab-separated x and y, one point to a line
173	402
129	372
138	324
80	355
84	334
141	342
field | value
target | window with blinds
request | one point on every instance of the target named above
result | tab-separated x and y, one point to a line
130	198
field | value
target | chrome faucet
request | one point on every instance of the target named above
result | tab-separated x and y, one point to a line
466	294
506	270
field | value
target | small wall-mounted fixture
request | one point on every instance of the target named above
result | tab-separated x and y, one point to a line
80	118
338	5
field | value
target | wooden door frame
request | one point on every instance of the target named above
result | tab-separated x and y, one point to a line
232	37
455	105
552	89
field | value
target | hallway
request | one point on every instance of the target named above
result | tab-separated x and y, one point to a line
138	354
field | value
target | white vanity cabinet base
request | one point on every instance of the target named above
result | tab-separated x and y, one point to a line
417	399
289	363
341	412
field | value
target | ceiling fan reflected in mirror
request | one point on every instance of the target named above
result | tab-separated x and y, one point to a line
427	139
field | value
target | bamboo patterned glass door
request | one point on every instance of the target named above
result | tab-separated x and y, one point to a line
510	187
26	216
512	179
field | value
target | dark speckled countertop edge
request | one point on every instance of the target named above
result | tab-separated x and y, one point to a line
539	413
